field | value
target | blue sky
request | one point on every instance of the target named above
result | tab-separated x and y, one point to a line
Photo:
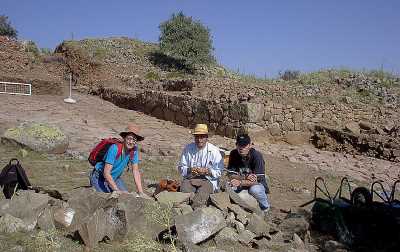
255	37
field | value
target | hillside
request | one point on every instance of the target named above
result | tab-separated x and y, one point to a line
132	74
353	117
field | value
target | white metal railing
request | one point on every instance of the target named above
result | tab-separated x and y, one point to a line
15	88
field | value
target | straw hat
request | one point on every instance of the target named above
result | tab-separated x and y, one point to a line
132	128
200	129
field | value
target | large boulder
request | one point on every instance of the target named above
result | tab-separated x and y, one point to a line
245	200
258	226
94	215
227	236
246	237
297	137
241	215
11	224
294	225
220	200
26	205
98	215
145	216
199	225
352	127
174	198
39	137
46	220
105	222
84	202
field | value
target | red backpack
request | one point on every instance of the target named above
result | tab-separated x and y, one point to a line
97	154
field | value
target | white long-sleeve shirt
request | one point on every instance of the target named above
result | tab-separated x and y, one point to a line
207	157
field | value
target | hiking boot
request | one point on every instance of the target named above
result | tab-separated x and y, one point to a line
267	213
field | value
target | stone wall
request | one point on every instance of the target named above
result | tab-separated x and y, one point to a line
225	117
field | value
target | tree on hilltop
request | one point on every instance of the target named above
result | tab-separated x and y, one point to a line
186	40
5	27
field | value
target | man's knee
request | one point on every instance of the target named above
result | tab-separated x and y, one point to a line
186	186
257	190
207	187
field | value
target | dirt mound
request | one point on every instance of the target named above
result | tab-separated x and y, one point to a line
45	73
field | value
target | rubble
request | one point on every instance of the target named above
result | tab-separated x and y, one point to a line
356	141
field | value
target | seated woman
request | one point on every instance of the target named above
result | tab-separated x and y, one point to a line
106	175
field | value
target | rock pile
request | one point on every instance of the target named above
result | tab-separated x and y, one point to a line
373	85
361	138
230	220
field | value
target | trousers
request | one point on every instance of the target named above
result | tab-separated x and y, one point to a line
202	188
98	181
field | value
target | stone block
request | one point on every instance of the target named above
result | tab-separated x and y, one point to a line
199	225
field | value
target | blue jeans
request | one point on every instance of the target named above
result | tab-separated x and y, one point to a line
98	181
258	192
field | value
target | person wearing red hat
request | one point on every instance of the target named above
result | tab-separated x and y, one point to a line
106	176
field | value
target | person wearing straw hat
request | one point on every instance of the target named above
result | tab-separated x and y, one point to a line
201	166
106	175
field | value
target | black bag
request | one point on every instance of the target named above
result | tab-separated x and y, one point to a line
13	178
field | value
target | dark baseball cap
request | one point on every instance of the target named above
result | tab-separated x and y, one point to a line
243	140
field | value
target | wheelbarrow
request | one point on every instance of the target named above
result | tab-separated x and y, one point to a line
361	221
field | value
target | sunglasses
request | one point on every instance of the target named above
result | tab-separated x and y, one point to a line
131	139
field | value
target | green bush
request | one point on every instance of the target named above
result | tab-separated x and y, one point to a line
152	76
100	53
46	51
175	75
185	39
384	78
31	47
288	75
5	27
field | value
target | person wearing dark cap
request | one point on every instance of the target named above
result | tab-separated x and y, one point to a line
246	171
106	175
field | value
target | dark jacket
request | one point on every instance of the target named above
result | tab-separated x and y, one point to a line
253	163
13	175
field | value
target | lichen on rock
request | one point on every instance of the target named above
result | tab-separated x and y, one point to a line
40	137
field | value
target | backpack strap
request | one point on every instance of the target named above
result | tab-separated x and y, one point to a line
119	151
12	160
132	153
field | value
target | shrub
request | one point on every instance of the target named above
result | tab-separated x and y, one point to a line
100	53
185	39
152	76
46	51
6	29
31	47
175	75
168	63
288	75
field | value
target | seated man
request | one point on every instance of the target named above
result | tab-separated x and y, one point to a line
201	165
106	175
246	171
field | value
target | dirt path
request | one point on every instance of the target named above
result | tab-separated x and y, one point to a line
292	169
